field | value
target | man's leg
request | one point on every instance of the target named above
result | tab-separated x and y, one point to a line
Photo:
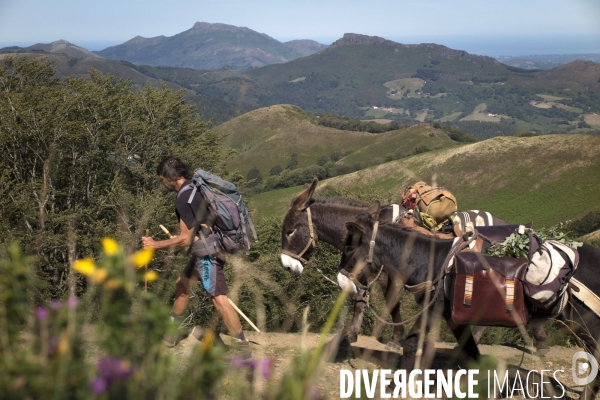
229	315
183	285
213	280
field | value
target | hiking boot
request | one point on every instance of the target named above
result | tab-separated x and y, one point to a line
241	349
173	339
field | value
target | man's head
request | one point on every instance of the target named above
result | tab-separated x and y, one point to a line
172	169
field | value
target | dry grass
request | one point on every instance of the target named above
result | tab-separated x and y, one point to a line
479	114
592	119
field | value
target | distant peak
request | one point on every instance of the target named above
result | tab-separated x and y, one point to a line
203	27
355	38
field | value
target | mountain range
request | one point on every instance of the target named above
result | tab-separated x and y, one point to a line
358	76
211	46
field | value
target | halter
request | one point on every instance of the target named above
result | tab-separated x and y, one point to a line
312	243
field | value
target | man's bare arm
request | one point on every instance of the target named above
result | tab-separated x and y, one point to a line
176	242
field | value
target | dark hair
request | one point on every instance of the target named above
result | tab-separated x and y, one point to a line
172	169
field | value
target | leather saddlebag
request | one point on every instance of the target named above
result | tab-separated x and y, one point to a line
488	290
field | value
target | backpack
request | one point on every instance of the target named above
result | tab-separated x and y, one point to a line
225	202
437	202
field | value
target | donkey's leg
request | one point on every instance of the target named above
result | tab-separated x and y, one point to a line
393	295
477	332
351	331
541	339
409	346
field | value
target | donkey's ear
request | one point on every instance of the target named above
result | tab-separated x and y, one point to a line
354	227
373	210
305	197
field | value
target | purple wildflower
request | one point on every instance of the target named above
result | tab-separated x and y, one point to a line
114	368
41	313
72	302
98	385
314	393
265	367
55	305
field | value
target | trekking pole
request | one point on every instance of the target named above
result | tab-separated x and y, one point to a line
243	315
146	268
166	231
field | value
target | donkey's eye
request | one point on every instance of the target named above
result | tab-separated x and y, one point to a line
290	233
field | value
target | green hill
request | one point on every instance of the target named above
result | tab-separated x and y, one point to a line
544	179
269	136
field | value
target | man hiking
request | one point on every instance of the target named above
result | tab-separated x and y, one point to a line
196	225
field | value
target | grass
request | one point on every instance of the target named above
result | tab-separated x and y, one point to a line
269	136
544	179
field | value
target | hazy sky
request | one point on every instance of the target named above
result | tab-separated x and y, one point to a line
537	24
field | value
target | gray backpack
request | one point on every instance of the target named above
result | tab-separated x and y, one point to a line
225	202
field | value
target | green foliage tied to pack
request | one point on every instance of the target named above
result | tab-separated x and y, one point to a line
517	245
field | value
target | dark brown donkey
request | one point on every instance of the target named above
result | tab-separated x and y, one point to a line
408	255
328	220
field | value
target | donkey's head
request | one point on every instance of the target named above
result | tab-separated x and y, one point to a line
356	269
298	239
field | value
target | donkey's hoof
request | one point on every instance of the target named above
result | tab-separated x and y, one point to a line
393	346
541	352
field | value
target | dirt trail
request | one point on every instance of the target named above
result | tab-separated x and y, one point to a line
368	353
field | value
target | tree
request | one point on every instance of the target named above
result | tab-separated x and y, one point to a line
293	162
79	159
254	177
276	170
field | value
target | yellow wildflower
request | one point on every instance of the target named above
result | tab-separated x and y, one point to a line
111	284
150	276
143	257
85	267
100	275
209	339
63	343
111	247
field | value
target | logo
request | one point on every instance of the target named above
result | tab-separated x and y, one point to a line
584	364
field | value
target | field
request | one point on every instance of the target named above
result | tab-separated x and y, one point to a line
399	87
479	114
592	119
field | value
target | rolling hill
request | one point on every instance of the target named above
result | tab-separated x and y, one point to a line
211	46
269	136
545	179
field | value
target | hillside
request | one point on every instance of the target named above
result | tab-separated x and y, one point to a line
211	46
544	179
424	82
269	136
217	109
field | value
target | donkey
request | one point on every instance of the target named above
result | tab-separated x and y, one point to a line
309	221
408	255
328	218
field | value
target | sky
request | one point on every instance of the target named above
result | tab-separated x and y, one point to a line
488	27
